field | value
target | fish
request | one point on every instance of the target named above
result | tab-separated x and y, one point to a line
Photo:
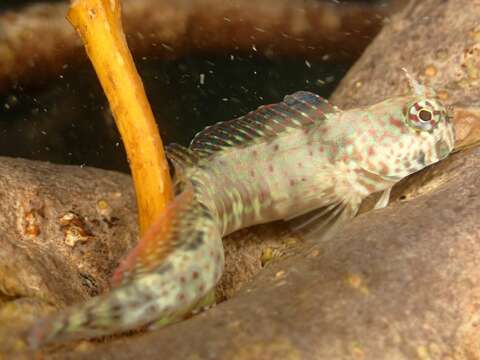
301	160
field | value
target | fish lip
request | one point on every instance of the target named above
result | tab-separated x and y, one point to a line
451	138
445	143
442	149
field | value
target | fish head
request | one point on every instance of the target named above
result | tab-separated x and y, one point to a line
430	126
416	132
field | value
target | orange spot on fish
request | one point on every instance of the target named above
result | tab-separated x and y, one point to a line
357	155
387	135
397	123
370	165
263	195
383	168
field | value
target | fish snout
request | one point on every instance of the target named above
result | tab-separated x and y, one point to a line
443	148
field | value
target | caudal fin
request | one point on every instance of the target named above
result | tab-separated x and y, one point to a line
175	265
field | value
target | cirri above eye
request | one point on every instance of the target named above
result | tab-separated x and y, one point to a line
424	115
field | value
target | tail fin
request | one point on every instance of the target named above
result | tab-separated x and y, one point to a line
157	242
175	265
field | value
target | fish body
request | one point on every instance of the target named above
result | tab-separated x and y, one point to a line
301	160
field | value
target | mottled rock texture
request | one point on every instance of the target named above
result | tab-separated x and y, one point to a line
56	229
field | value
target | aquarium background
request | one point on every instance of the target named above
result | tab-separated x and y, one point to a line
68	120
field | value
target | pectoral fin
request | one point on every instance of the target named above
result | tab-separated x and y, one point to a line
384	199
323	222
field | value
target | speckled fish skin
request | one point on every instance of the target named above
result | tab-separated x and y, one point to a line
279	162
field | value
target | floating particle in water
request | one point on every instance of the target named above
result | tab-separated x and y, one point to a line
12	100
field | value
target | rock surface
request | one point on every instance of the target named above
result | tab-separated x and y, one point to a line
436	41
56	228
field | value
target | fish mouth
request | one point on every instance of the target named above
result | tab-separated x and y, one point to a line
442	149
445	145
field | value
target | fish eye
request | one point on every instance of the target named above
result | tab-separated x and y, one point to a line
425	115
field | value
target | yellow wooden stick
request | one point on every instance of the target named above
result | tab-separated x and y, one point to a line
99	24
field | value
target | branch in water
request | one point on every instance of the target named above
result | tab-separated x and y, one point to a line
99	24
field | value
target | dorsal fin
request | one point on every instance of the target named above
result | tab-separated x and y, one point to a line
180	156
300	109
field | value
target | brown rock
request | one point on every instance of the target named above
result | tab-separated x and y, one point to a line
56	246
424	35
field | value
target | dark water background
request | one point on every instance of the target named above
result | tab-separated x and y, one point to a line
69	121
